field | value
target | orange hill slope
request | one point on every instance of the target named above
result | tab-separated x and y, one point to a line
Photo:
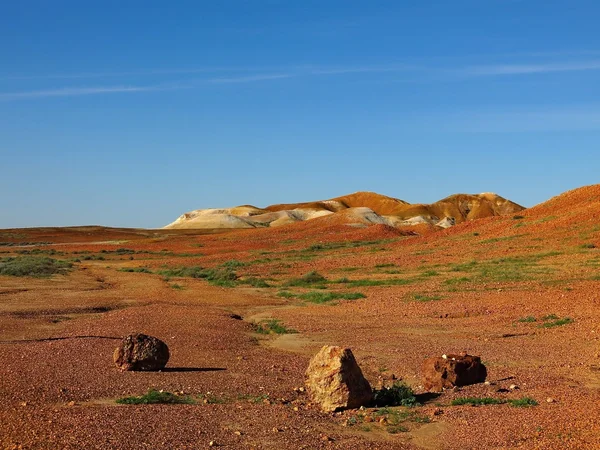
360	208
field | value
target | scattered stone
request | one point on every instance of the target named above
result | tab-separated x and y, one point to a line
438	411
513	387
334	380
139	352
212	444
550	400
235	317
237	433
452	371
276	430
71	403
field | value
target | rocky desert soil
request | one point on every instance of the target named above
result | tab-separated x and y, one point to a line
521	291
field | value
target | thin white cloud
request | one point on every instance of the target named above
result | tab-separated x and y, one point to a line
359	69
73	92
251	78
524	69
140	72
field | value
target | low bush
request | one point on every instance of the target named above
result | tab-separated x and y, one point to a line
33	266
155	397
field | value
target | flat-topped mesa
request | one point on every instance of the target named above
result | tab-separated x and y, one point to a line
358	209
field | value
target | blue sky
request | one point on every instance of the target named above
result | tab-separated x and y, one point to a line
128	113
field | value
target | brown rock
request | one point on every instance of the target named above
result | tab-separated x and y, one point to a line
334	381
452	370
141	352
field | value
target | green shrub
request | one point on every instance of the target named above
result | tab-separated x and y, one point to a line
272	326
33	266
307	280
153	397
324	297
399	394
219	276
527	319
477	401
524	402
255	282
135	269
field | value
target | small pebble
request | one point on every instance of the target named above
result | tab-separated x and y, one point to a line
550	400
512	387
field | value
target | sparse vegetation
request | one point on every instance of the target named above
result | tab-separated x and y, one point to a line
523	402
219	276
399	394
135	270
424	297
324	297
527	319
551	323
272	326
307	280
33	266
255	282
156	397
477	401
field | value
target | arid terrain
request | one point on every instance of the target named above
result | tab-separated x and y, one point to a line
242	320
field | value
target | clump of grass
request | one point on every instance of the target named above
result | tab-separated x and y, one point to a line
254	398
309	279
176	286
425	297
324	297
381	266
33	266
286	294
272	326
233	264
524	402
211	399
588	245
518	217
557	322
218	276
155	397
399	394
430	273
135	270
255	282
527	319
368	282
477	401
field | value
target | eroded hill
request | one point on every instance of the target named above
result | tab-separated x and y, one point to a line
359	209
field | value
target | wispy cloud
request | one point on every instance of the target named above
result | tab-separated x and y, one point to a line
71	92
524	69
359	69
252	78
111	74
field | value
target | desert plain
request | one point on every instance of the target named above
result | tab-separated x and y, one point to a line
243	311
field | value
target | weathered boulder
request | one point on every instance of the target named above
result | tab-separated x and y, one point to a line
141	352
334	380
448	371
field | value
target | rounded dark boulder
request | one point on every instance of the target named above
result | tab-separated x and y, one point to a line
140	352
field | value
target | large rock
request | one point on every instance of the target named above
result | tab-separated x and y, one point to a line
141	352
334	380
448	371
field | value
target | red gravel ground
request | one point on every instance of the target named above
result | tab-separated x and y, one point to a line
483	286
